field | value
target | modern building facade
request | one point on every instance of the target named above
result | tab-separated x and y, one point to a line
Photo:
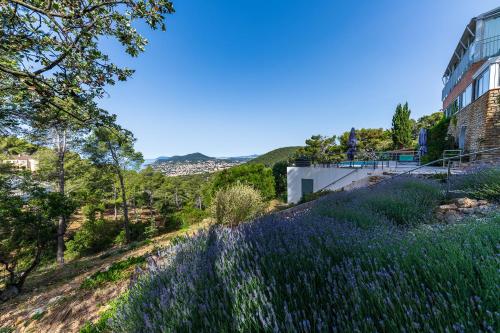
471	93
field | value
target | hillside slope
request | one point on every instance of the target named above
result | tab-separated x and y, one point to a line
274	156
370	260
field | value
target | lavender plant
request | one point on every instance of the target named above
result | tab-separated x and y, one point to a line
318	273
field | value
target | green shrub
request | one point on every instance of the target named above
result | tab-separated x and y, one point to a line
256	175
279	174
484	184
94	236
404	202
236	204
188	216
117	272
137	233
438	140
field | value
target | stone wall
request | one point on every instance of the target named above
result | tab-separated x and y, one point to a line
482	119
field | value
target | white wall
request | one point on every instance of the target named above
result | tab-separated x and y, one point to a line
323	176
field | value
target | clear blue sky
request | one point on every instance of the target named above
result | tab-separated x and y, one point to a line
238	77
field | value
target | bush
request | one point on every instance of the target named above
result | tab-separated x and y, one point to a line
482	184
438	140
256	175
404	202
280	181
94	236
309	273
236	204
138	232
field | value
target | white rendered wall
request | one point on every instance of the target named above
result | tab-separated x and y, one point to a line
323	176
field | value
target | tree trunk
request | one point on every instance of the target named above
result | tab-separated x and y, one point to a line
115	197
125	207
61	227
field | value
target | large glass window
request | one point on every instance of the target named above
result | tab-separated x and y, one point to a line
482	83
492	28
467	96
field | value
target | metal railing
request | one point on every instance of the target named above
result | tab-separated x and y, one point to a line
448	159
372	160
452	153
477	51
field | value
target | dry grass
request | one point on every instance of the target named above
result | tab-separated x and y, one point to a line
57	290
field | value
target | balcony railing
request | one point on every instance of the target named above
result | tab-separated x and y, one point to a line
479	50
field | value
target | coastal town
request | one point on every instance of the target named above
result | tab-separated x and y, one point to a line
184	168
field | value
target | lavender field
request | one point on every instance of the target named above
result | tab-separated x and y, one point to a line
370	260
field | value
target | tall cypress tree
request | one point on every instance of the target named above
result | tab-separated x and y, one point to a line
401	127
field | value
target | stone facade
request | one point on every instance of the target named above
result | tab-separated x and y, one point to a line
482	125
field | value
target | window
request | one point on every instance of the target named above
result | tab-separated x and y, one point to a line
467	96
482	83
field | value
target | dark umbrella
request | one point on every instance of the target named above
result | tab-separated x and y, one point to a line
352	144
422	142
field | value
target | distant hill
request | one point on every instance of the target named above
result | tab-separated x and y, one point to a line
276	155
194	157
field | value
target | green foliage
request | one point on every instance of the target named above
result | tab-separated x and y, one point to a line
438	140
186	216
405	202
483	184
402	127
256	175
280	179
282	275
275	156
12	145
27	229
7	329
95	235
237	203
369	139
427	122
64	65
116	272
320	149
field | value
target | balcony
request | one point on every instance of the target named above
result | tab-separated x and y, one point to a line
477	51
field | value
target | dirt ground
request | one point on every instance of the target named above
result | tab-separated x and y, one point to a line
53	301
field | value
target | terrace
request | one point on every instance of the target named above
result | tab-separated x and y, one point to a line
480	41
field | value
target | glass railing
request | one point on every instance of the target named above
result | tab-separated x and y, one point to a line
479	50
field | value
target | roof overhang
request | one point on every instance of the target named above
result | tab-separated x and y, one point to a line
467	38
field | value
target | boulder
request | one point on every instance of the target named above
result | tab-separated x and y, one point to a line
445	208
451	217
467	203
482	202
466	210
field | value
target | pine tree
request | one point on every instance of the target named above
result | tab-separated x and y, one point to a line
401	127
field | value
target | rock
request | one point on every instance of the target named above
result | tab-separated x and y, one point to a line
451	217
37	312
445	208
467	203
485	209
54	300
482	202
466	210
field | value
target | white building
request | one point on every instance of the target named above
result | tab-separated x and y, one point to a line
311	179
23	162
